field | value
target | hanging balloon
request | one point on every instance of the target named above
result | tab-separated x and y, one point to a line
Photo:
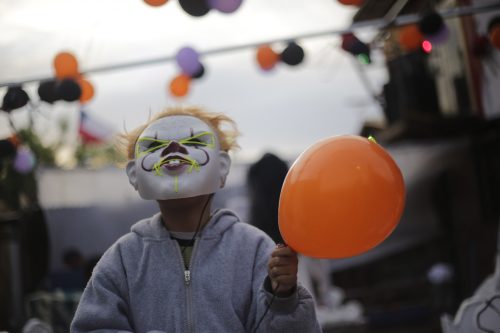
494	32
494	37
266	57
494	22
7	149
24	161
65	65
87	90
47	91
225	6
357	3
195	8
188	60
69	90
156	3
439	37
343	196
433	28
179	86
293	54
15	98
200	73
410	38
430	24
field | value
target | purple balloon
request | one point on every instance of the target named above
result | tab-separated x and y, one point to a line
188	60
24	161
225	6
440	36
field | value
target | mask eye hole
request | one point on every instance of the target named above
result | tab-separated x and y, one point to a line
153	144
148	145
194	142
204	139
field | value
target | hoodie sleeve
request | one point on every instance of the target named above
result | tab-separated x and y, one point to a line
295	313
104	306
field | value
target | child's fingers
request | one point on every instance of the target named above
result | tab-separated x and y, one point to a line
283	252
285	282
282	268
283	261
276	271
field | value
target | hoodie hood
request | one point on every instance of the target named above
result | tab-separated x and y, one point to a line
153	228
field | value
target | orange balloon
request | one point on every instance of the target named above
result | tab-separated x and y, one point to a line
358	3
266	57
155	3
410	37
87	90
65	65
494	36
179	86
343	196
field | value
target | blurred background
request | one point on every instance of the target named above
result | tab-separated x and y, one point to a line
421	76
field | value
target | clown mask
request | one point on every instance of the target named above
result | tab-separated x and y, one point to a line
178	157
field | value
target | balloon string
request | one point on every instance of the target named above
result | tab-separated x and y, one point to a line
275	290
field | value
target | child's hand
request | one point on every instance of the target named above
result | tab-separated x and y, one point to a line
282	270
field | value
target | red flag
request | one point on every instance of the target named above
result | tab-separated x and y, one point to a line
92	130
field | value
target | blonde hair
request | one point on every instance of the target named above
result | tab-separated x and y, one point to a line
218	121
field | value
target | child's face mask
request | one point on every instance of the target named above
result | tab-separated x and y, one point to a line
178	157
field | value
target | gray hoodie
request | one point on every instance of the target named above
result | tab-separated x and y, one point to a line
141	285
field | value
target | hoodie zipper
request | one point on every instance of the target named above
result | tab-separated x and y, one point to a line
187	283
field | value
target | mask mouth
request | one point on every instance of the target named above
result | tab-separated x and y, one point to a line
175	163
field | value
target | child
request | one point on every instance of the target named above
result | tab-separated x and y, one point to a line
187	269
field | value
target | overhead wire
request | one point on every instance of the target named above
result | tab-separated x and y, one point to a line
378	24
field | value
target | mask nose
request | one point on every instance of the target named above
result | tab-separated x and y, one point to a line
174	147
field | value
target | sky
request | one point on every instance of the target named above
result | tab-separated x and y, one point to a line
283	111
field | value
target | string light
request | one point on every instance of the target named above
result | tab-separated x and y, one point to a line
364	58
427	46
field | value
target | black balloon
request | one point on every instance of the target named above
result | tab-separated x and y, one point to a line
292	55
199	73
430	24
69	90
493	23
15	98
7	149
47	91
194	7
